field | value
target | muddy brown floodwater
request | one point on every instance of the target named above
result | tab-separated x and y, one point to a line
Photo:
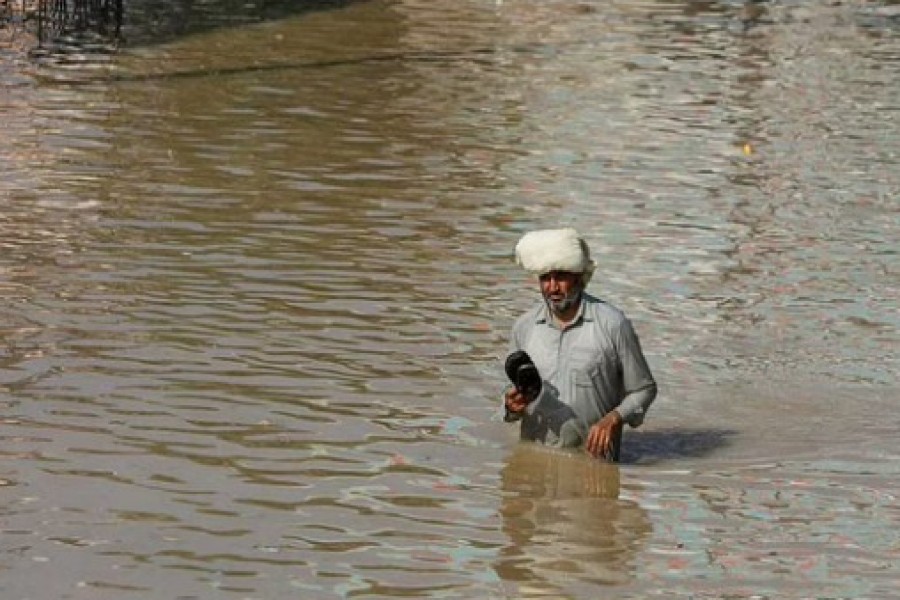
256	283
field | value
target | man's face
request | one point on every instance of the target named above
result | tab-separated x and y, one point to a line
561	290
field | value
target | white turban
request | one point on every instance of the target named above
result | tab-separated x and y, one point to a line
555	250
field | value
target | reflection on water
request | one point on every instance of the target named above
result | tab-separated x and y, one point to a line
256	282
568	530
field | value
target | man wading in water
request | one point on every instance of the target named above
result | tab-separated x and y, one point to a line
591	376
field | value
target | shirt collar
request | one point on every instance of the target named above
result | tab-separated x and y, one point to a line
544	316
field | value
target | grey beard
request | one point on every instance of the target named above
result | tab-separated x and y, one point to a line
565	304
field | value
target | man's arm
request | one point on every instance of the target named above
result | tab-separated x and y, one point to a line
602	435
637	380
512	401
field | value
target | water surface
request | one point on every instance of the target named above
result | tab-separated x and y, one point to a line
256	283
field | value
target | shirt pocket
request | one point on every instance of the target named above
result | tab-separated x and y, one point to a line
586	401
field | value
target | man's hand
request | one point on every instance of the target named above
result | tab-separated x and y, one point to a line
515	400
603	433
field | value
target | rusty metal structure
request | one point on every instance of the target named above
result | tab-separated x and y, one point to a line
50	20
58	17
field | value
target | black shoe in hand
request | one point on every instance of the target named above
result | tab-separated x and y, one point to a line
521	371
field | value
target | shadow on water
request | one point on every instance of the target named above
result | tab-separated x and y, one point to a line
150	22
667	444
55	23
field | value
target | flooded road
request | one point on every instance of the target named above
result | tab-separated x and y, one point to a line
256	285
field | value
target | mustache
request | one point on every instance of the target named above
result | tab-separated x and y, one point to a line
564	303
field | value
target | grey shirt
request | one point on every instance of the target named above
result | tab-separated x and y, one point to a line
588	369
